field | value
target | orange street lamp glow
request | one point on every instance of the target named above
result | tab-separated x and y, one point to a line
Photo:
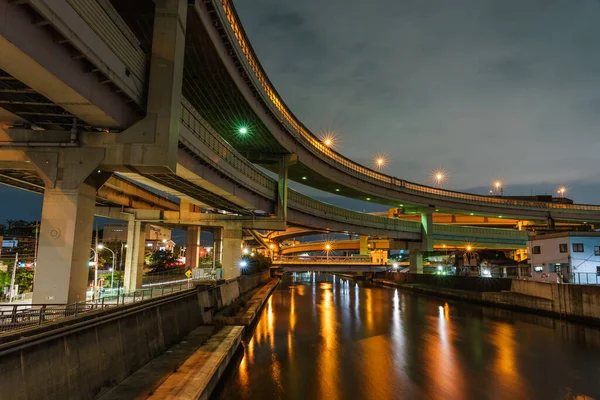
469	248
438	177
380	161
327	247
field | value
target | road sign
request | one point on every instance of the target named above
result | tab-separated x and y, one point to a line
188	273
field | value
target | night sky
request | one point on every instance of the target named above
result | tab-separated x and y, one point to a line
485	89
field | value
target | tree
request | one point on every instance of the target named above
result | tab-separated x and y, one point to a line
255	264
161	260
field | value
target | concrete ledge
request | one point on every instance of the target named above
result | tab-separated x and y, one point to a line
508	300
253	306
144	381
197	377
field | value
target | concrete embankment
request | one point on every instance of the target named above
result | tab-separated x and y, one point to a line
251	308
573	302
83	357
192	368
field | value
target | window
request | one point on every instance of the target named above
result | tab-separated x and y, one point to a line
556	267
536	250
597	250
563	248
597	271
577	247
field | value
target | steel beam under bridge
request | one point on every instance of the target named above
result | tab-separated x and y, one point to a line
332	268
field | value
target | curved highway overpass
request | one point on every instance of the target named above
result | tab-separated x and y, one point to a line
224	79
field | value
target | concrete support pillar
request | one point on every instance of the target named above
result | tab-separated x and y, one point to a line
61	274
364	245
155	138
192	247
217	246
282	189
427	230
417	250
134	260
232	250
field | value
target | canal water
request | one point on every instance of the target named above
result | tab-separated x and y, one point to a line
323	337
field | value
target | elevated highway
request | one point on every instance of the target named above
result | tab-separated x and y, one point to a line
157	91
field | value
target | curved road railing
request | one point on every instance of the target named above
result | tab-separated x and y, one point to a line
262	183
265	184
246	55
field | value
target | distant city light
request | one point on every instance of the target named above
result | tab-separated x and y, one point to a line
243	264
395	265
245	251
304	178
271	246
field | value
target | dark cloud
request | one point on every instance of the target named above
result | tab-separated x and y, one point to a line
482	88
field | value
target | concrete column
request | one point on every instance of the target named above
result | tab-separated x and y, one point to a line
155	138
192	247
364	245
134	260
282	189
417	250
61	274
427	230
232	250
218	245
415	253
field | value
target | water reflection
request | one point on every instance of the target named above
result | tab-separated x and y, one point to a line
333	339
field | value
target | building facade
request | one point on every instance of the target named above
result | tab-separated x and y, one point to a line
575	255
157	237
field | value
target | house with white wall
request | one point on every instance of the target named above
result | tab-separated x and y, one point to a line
574	254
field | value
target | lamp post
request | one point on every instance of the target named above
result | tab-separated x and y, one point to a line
112	273
498	186
95	273
327	248
562	191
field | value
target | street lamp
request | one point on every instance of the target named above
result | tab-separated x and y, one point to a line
562	191
327	248
438	176
112	274
498	186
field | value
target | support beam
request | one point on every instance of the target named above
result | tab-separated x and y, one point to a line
282	189
416	250
61	274
192	247
134	257
232	250
364	245
154	140
217	247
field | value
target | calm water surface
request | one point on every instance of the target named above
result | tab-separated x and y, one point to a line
322	337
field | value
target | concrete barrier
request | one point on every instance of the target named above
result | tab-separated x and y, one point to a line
470	283
87	355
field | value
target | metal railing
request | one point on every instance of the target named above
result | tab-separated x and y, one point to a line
15	317
266	185
475	232
245	54
319	260
585	278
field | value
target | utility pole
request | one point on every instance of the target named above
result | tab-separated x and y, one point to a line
94	294
37	238
12	278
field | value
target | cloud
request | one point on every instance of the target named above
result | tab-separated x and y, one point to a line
482	88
